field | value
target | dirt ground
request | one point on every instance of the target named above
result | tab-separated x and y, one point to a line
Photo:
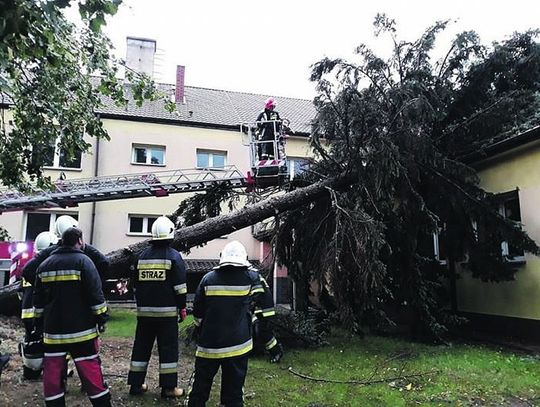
115	354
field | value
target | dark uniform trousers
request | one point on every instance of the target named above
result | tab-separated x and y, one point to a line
88	364
233	376
165	330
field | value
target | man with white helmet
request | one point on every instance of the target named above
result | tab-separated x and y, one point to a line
62	224
31	350
221	312
160	292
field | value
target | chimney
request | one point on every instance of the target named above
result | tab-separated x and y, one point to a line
179	92
140	55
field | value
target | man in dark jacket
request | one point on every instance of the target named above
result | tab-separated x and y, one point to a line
70	309
221	311
268	124
160	291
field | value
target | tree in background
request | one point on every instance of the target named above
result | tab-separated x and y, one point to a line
401	129
48	72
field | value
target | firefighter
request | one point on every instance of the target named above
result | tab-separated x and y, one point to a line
262	331
70	311
268	123
160	292
31	349
62	224
221	313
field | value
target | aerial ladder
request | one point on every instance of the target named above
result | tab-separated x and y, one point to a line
71	192
265	171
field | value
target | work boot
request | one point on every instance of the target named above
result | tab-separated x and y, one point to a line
172	393
4	359
138	390
276	353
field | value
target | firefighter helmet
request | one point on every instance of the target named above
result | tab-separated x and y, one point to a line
234	254
63	223
162	229
270	103
44	240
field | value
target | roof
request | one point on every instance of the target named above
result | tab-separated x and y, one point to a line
206	107
205	265
503	145
213	108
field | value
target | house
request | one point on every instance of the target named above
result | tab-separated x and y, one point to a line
510	168
202	132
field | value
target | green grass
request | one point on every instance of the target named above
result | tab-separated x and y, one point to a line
467	374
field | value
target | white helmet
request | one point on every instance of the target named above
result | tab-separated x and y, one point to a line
233	254
63	223
44	240
162	229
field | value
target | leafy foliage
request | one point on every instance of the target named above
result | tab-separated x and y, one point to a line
53	73
4	235
403	126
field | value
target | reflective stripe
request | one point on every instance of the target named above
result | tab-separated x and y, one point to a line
166	368
38	312
256	289
85	358
25	283
219	353
266	312
271	343
154	264
60	275
54	397
227	290
197	321
54	354
70	338
157	312
180	288
96	396
99	308
27	313
138	366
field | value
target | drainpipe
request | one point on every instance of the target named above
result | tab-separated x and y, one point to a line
96	172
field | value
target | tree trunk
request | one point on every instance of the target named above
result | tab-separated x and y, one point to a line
202	232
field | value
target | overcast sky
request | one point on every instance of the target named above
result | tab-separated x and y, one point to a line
267	47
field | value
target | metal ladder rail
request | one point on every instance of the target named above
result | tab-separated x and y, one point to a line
159	183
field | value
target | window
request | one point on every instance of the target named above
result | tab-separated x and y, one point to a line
141	225
296	166
148	155
41	222
509	208
211	159
57	157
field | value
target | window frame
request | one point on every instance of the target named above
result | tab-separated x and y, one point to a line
56	159
505	247
211	154
290	163
52	219
144	224
148	147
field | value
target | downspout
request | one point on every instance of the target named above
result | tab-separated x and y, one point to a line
96	172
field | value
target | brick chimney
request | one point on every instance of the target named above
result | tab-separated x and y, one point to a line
179	90
140	55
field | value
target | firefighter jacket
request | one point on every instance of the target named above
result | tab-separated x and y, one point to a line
267	129
68	298
222	311
29	274
160	282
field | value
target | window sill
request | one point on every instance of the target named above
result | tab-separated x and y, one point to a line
211	168
137	234
62	169
149	165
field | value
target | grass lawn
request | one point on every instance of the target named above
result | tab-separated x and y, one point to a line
466	375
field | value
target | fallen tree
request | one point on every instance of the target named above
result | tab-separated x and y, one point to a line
200	233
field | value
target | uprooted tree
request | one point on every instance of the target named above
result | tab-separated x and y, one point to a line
401	130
